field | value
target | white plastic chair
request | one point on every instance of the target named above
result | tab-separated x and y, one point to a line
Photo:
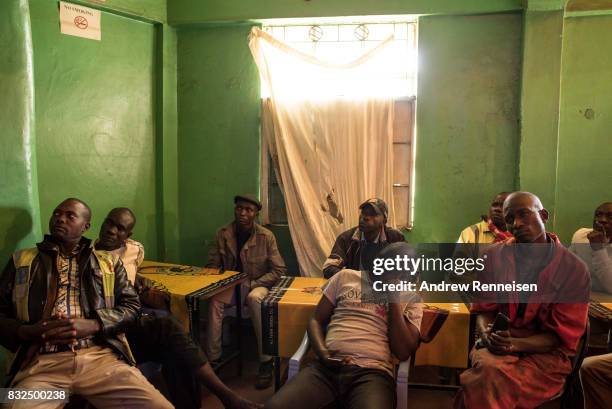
401	380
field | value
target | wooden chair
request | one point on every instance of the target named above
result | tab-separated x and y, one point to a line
403	369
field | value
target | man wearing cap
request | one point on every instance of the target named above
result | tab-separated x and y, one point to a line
355	248
244	246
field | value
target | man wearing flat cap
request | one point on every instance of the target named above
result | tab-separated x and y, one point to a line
244	246
356	248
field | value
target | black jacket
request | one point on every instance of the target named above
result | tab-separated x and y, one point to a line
42	299
347	249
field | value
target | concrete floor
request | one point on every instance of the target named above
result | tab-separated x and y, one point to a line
244	385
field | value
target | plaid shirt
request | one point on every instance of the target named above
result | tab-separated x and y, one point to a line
68	289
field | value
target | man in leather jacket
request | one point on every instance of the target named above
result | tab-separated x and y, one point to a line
355	248
64	327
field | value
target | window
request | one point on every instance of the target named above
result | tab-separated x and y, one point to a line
338	43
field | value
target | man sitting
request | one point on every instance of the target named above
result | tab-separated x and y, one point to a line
491	228
594	247
354	341
596	380
64	308
245	246
355	248
162	339
527	364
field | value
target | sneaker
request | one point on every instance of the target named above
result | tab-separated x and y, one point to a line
265	375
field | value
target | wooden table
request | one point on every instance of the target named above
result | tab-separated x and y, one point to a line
187	286
290	304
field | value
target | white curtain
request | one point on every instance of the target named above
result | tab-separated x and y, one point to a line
331	146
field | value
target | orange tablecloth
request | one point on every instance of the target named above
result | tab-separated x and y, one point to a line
290	304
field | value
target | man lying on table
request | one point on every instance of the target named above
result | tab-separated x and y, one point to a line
354	342
162	339
594	247
245	246
526	365
66	323
355	248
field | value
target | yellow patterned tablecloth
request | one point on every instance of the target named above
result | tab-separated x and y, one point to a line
604	299
185	284
291	303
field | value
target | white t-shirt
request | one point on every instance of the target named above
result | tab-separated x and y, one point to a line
360	330
599	262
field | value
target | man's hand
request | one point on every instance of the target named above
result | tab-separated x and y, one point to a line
500	342
242	403
598	238
34	332
327	358
72	330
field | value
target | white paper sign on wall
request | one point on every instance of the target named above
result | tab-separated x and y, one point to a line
80	21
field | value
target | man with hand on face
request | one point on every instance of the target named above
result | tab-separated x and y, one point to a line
355	333
526	365
162	339
356	248
594	247
64	308
245	246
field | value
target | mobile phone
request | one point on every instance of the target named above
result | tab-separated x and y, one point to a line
501	323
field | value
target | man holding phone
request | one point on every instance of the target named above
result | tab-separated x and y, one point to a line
526	364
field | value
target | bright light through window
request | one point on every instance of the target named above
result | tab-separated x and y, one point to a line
389	72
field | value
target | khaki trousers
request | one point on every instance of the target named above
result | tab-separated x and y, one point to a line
96	373
216	306
596	379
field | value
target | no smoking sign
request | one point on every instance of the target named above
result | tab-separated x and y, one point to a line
80	22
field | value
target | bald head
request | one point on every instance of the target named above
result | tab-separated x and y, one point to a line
126	213
116	229
525	217
84	207
70	220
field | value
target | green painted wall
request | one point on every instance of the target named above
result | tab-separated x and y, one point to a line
155	10
218	106
584	173
467	120
96	118
540	89
167	143
19	218
199	11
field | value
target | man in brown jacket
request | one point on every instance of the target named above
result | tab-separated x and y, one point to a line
245	246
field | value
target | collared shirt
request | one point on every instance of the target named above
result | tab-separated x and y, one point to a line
69	285
477	233
259	256
347	250
131	254
599	262
68	301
